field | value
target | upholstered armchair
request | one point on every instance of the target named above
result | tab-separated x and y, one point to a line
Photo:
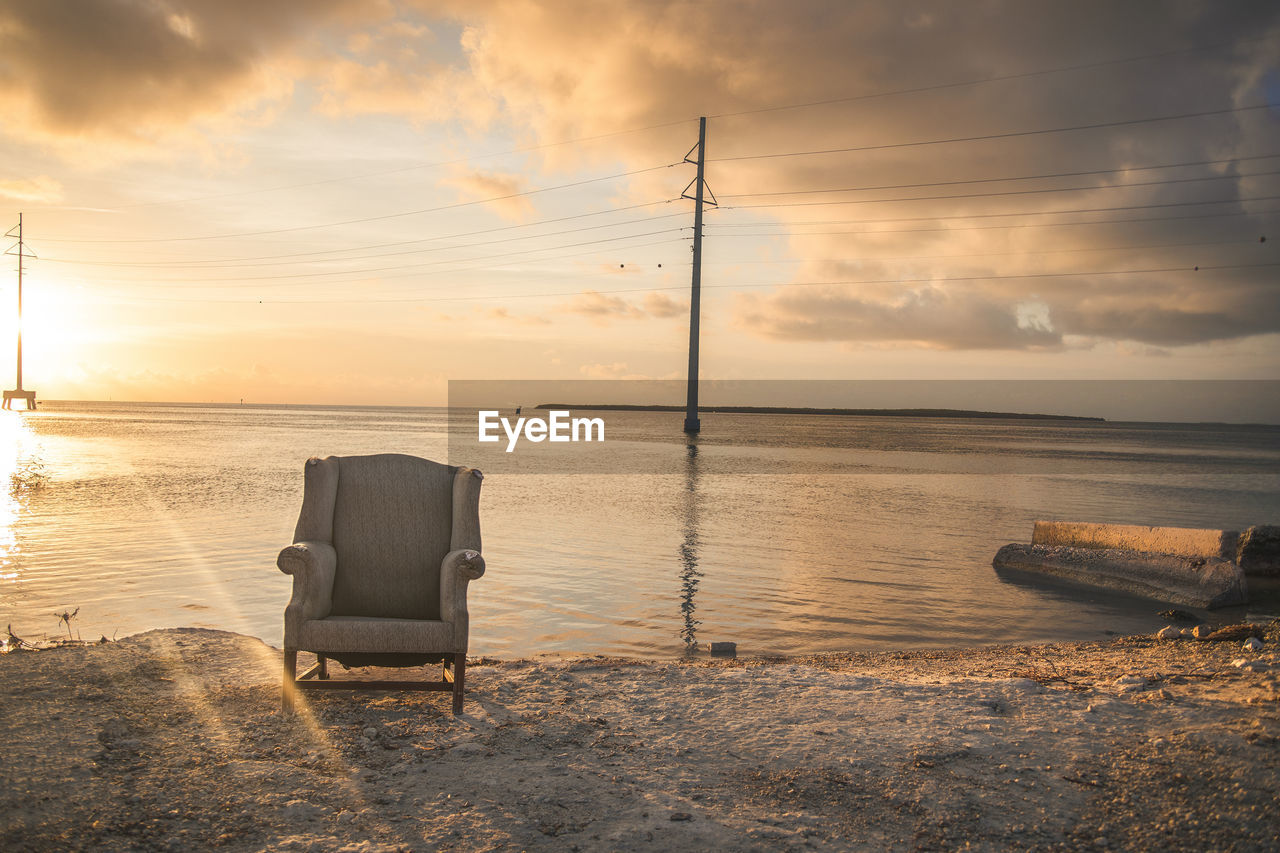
381	557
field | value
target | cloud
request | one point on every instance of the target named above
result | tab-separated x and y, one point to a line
1227	314
133	70
928	317
503	188
602	307
616	370
617	74
42	189
577	69
662	306
402	67
525	319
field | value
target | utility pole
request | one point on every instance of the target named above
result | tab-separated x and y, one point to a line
28	396
691	423
20	253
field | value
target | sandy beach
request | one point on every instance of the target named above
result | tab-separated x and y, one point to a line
172	740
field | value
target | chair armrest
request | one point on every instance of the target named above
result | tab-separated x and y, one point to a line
313	566
458	568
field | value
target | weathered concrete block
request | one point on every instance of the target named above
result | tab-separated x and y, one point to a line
1182	541
1258	552
1207	582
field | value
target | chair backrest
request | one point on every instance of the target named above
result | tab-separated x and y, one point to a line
392	526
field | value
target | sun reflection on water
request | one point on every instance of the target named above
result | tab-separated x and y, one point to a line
20	474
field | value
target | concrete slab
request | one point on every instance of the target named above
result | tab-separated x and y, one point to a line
1207	582
1179	541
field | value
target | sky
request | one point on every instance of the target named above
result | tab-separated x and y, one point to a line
356	202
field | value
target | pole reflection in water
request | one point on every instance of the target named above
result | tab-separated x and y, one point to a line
689	573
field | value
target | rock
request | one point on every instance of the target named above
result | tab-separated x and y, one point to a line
1178	616
1240	663
298	810
1187	634
1201	632
677	816
1258	550
1168	633
726	650
1236	632
371	732
1024	685
1253	644
1131	683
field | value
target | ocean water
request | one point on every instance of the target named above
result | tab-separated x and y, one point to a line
785	534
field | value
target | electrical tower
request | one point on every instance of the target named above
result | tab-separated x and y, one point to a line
18	393
691	423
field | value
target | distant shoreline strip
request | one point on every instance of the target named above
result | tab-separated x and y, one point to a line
789	410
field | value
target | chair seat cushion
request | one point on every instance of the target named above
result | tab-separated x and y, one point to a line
373	634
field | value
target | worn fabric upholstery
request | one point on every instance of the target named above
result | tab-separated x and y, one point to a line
466	510
383	551
392	525
320	490
372	634
313	565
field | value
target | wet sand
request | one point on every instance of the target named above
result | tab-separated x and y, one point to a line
172	740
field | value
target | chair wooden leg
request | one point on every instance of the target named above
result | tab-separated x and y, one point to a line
287	689
323	674
459	676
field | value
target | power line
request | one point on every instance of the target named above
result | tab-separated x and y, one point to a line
931	279
231	263
875	258
524	193
249	261
189	265
522	150
194	283
989	136
1014	213
492	230
169	280
1003	192
868	259
366	301
575	254
376	218
1015	178
366	271
1226	214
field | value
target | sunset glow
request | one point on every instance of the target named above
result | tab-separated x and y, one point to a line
356	202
